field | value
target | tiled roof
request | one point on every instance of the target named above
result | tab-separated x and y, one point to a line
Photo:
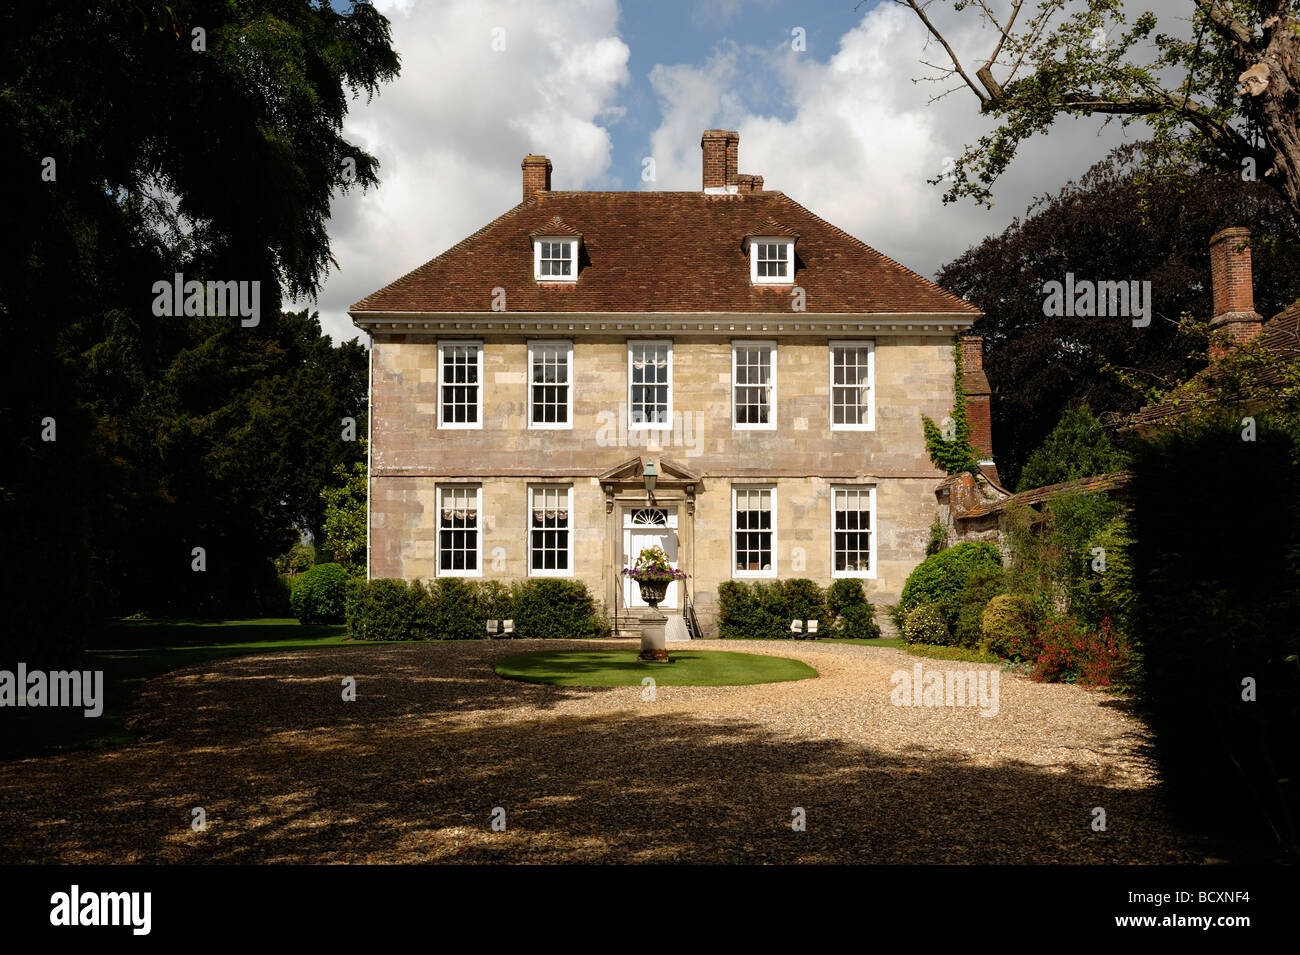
662	252
1089	485
1280	335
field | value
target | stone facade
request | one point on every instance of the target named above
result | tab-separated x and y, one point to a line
701	457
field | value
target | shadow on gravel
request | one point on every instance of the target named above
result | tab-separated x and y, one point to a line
286	775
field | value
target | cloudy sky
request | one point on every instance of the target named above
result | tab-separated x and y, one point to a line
599	86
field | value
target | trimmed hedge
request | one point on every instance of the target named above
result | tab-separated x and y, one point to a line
762	610
941	578
319	594
452	608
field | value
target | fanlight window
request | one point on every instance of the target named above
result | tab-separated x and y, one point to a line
650	517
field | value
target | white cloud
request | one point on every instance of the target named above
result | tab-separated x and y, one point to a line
859	139
451	130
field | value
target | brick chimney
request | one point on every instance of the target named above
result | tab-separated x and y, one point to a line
1234	293
537	174
979	411
721	153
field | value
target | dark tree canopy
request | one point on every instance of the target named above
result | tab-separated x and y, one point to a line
140	139
1118	222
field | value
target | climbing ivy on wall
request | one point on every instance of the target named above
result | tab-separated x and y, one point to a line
949	447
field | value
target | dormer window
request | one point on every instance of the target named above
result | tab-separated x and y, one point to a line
556	260
771	258
555	252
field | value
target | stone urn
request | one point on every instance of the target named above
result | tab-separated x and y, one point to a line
654	625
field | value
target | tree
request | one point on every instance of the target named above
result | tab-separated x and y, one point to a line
345	518
193	136
1118	222
1078	447
1228	97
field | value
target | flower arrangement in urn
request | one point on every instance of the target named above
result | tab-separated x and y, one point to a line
654	573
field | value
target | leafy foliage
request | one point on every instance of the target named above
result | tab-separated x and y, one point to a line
344	527
940	579
1007	625
925	623
950	448
762	610
176	432
319	594
1116	223
983	584
1215	524
1222	94
452	608
1077	447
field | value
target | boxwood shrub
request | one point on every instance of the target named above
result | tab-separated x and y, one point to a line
452	608
852	615
762	610
319	594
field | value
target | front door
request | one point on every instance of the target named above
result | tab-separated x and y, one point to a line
649	527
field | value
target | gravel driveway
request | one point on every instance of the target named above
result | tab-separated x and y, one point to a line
286	771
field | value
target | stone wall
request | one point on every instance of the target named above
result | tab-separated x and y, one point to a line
803	458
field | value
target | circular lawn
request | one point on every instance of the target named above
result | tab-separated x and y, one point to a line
622	668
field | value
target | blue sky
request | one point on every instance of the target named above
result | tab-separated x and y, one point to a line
842	126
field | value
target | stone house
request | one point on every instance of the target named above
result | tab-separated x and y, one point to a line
770	370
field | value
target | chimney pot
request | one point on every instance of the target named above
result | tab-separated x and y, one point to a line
537	174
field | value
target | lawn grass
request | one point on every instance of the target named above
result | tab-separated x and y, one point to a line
132	652
622	668
924	649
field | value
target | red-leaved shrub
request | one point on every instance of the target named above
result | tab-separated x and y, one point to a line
1065	651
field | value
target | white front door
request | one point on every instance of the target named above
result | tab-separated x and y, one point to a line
649	527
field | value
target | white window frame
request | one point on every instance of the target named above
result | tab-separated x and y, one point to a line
476	425
567	424
771	490
537	258
754	277
871	383
528	541
869	574
478	536
667	424
771	417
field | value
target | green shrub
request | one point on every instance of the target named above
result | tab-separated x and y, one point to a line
938	539
981	586
496	601
385	609
762	610
844	593
452	608
555	609
926	624
1006	625
804	600
857	622
940	579
319	593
